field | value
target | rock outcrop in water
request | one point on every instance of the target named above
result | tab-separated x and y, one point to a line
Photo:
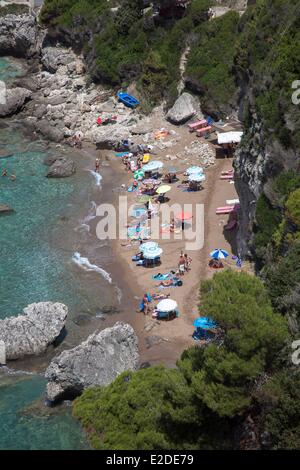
96	361
5	209
15	98
61	168
34	330
19	35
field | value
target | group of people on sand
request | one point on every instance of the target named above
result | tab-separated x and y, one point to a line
12	176
184	264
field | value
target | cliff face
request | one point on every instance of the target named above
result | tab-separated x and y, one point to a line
257	162
19	35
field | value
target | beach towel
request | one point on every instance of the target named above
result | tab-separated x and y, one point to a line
161	277
121	154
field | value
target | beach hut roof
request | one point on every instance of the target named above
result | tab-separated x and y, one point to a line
229	137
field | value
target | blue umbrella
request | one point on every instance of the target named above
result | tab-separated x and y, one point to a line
204	323
219	254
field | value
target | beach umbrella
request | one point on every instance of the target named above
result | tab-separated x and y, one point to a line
219	254
163	189
172	170
148	246
204	323
139	174
183	216
144	199
151	181
152	253
194	169
153	166
166	305
197	177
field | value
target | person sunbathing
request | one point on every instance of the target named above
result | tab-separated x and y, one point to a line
174	281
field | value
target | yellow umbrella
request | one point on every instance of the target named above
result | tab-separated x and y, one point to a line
146	158
163	189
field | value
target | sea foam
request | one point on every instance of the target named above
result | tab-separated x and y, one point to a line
85	264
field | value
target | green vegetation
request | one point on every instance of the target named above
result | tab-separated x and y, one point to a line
210	63
197	404
279	400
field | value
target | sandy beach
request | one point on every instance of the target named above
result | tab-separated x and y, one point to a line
163	341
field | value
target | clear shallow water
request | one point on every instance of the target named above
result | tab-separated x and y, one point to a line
37	243
29	430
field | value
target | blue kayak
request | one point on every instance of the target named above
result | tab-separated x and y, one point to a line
128	100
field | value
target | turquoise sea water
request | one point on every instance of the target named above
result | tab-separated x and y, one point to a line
37	242
22	429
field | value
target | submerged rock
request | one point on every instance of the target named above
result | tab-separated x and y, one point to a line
184	108
61	168
15	98
4	209
33	331
96	361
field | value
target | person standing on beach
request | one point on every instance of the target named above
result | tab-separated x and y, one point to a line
97	165
145	304
187	262
181	264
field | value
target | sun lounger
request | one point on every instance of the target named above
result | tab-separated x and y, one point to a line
203	131
231	202
196	125
231	225
121	154
227	177
225	210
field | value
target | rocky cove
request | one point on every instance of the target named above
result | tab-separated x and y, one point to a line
52	100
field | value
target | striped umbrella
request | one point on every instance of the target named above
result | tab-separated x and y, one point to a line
219	254
148	246
152	253
138	175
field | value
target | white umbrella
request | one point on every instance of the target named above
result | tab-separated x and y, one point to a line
194	169
197	177
148	246
152	166
166	305
152	253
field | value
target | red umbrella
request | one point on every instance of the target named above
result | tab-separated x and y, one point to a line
183	216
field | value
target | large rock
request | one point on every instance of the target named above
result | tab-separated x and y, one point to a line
19	35
96	361
54	134
33	331
61	168
53	57
109	137
14	100
184	108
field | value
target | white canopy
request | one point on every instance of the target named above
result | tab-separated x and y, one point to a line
229	137
166	305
